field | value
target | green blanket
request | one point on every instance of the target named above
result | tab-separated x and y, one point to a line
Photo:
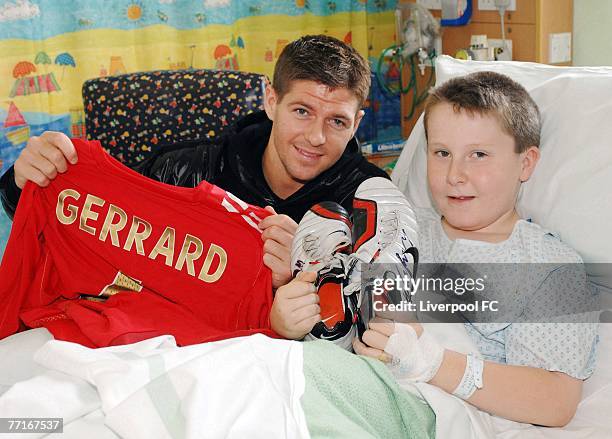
348	396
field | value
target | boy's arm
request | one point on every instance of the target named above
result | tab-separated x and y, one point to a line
519	393
537	395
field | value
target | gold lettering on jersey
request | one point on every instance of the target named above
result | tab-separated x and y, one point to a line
137	237
186	256
213	277
59	209
112	228
165	246
88	214
103	222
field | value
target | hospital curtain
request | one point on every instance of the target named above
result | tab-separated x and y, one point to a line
48	48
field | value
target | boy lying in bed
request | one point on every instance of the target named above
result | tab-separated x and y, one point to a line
483	132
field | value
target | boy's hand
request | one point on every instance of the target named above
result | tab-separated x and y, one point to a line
296	307
43	158
375	339
278	232
412	355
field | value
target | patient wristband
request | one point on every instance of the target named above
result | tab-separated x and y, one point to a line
472	377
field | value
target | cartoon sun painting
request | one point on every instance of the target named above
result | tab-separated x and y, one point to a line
134	11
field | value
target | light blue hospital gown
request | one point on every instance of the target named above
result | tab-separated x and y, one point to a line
564	347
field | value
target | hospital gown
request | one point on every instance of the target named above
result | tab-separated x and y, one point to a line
541	343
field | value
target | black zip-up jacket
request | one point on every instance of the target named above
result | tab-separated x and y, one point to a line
234	164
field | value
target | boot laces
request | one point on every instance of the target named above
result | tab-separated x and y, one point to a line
324	249
388	229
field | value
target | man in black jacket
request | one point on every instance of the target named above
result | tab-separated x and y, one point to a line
299	152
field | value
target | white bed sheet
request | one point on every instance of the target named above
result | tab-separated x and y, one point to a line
592	419
241	387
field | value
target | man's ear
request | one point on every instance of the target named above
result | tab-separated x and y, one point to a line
529	160
358	118
270	101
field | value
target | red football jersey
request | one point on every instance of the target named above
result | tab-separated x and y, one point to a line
106	256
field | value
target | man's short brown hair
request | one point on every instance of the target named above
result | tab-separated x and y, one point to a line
325	60
490	93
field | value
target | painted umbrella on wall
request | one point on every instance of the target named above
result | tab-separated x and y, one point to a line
42	58
64	59
23	68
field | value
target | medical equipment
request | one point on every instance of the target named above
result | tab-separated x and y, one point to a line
418	35
418	32
504	54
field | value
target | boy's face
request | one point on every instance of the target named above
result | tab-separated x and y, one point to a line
312	126
473	171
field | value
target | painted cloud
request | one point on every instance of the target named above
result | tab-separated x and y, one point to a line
216	3
20	10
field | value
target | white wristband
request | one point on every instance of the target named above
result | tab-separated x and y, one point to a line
415	359
472	377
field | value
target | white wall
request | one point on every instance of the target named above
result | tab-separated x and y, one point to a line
592	40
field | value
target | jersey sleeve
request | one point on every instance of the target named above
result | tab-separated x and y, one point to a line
22	256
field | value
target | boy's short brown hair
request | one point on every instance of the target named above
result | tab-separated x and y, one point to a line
495	94
325	60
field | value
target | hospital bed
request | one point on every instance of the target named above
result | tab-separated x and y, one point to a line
570	194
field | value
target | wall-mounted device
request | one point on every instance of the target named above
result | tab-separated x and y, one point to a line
456	12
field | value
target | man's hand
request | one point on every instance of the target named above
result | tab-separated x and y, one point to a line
43	158
296	307
278	232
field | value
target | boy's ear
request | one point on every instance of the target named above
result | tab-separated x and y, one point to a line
529	159
270	101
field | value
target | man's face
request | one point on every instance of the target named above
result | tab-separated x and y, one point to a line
473	171
312	125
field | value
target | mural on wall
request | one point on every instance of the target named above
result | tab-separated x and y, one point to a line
50	47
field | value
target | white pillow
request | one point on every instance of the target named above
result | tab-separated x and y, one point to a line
570	192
